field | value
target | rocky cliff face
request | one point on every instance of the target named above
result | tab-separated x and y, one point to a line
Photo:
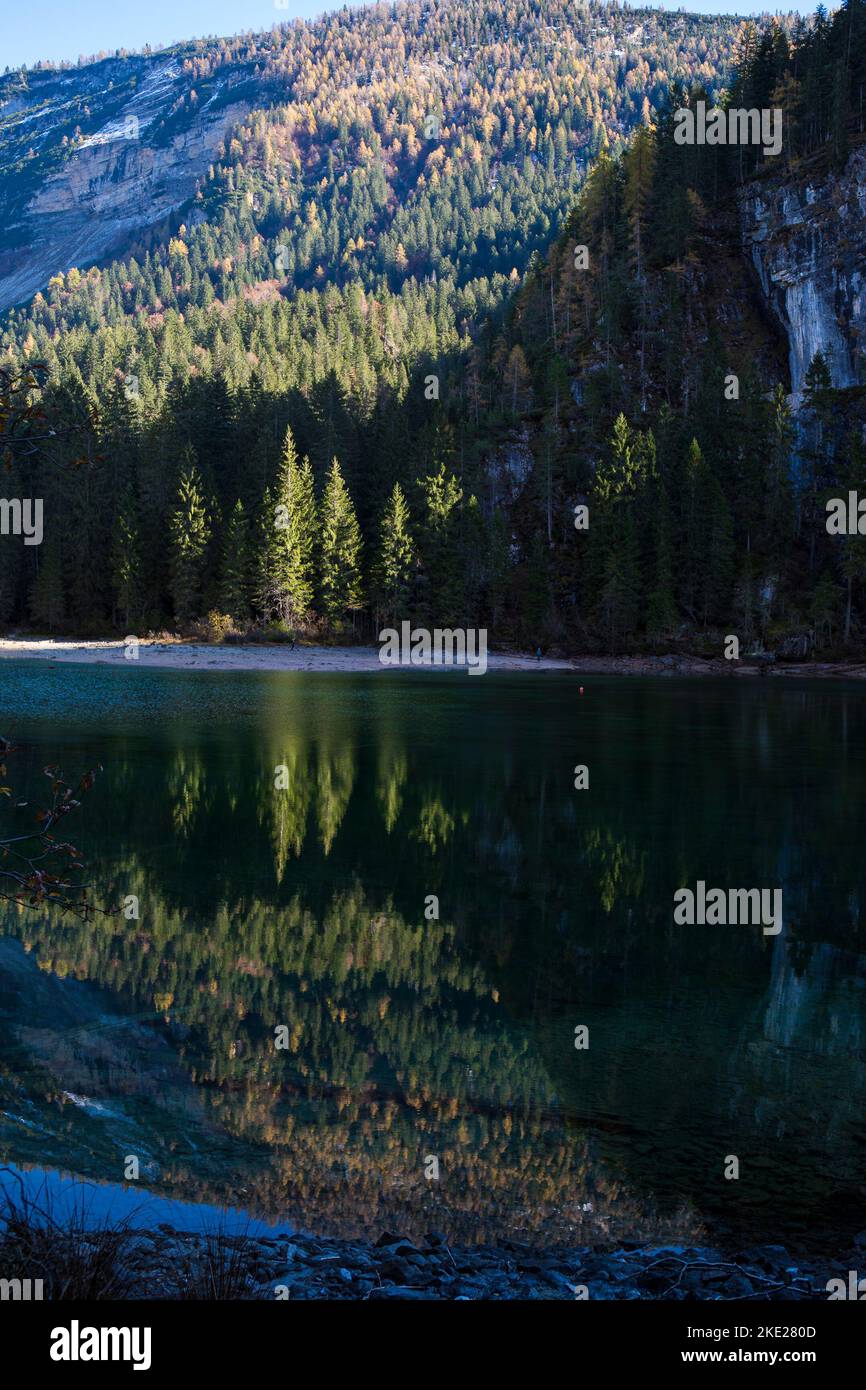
807	241
105	194
72	204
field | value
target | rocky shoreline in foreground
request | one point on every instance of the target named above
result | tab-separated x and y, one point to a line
167	1264
396	1268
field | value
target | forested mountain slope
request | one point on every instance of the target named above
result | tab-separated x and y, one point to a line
451	395
701	385
392	140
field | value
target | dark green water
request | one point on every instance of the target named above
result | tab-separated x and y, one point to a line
451	1039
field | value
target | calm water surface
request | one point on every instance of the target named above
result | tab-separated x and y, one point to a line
412	1042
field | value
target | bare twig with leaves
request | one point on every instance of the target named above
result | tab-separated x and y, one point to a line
24	427
37	867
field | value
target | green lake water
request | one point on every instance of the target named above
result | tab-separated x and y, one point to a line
430	1078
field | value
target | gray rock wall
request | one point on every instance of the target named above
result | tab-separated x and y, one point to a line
807	241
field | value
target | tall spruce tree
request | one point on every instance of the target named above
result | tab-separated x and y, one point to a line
443	588
340	563
267	593
295	542
394	569
189	534
234	579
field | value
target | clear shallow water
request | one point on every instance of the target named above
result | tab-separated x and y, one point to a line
94	1204
412	1040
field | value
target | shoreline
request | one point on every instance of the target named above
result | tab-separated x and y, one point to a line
194	656
145	1263
150	1246
182	655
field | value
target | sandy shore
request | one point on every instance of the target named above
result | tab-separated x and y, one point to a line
194	656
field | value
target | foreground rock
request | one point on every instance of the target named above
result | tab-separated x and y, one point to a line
170	1264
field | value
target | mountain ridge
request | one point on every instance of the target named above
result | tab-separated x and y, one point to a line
68	137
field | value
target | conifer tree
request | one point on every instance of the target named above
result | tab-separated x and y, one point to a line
442	577
340	572
394	570
126	560
824	609
189	533
295	540
619	597
267	594
661	609
716	571
620	484
234	579
47	602
536	588
497	559
692	532
639	169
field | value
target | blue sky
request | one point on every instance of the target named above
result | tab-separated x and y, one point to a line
65	28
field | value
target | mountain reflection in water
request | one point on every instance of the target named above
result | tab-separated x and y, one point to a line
410	1038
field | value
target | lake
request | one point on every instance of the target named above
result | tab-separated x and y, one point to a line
289	1028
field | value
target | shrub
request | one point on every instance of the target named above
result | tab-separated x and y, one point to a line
215	627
